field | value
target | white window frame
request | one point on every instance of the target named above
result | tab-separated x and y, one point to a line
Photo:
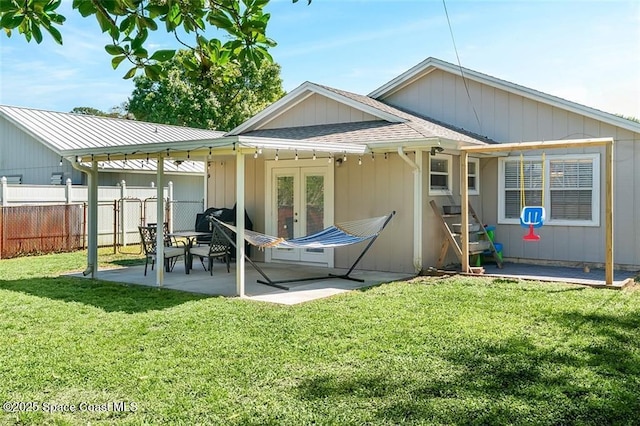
595	196
475	190
449	159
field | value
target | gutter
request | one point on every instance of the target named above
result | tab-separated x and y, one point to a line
417	206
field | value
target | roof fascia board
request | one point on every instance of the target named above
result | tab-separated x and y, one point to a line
140	151
430	64
298	95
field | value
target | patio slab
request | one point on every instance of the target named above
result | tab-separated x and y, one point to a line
594	278
224	284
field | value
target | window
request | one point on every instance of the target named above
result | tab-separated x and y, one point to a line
571	188
14	179
56	178
473	176
440	174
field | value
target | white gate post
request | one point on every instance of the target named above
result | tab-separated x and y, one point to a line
67	191
3	194
123	225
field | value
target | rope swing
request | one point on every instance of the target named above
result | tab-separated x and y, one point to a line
531	216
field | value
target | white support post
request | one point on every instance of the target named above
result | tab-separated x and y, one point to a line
240	276
160	223
464	237
92	240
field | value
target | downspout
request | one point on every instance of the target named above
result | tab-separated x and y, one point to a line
92	219
417	206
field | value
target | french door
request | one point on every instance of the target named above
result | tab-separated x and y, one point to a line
301	195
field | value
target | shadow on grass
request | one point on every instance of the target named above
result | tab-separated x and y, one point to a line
108	296
509	381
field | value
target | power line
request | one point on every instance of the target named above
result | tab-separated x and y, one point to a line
464	80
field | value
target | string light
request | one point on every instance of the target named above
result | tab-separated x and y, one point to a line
296	158
385	156
209	153
108	157
234	146
167	152
260	151
359	161
276	155
255	154
60	161
92	158
330	158
125	159
373	156
188	155
344	157
314	154
147	157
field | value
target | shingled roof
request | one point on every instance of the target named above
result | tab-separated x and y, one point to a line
407	127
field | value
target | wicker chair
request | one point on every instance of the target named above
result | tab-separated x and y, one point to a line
171	252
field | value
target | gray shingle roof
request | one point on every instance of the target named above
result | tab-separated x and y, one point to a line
411	127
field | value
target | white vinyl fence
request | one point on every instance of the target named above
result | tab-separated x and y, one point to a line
121	209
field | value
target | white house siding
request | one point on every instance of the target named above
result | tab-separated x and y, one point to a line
373	189
507	117
317	109
21	154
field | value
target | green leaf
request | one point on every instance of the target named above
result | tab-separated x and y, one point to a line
7	6
11	21
55	34
37	33
114	49
115	62
84	7
153	72
130	73
162	55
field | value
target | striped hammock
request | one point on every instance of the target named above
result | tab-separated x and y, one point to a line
338	235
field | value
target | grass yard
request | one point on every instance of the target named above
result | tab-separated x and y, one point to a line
460	350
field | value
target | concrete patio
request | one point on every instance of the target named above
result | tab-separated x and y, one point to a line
224	284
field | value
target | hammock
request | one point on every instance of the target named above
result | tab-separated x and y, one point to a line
343	234
338	235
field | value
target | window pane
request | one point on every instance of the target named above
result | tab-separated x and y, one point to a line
439	165
472	182
472	168
439	182
513	205
314	188
511	173
571	205
285	206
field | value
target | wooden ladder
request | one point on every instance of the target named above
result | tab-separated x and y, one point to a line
450	240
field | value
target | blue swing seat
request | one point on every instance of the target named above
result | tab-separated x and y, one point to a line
532	215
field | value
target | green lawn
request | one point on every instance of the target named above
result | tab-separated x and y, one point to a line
431	351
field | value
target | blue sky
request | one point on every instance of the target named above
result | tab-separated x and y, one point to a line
583	51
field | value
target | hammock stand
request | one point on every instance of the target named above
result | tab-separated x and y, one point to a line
326	233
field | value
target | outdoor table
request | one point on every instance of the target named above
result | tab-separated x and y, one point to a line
191	237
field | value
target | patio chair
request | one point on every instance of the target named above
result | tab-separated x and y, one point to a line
171	251
218	248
